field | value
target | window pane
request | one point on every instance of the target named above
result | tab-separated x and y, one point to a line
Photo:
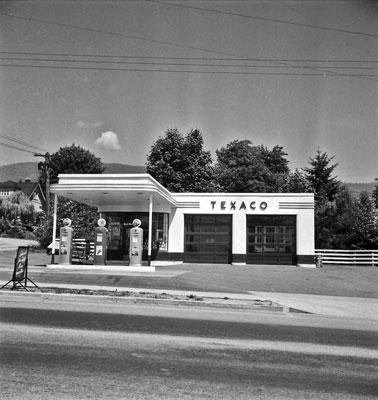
192	248
222	248
207	248
207	239
223	239
269	239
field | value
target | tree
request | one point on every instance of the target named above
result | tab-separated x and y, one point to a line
180	163
365	227
17	206
71	160
326	188
375	194
297	182
242	167
346	223
334	220
319	174
16	213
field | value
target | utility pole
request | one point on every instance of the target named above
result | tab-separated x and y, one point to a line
46	167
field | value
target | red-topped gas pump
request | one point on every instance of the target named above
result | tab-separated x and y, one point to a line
136	243
65	243
101	242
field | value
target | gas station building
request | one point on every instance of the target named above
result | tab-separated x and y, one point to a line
227	228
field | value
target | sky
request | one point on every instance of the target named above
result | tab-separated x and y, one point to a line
113	76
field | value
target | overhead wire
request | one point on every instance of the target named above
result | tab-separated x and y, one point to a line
280	21
115	34
330	69
15	147
322	72
21	142
184	58
186	64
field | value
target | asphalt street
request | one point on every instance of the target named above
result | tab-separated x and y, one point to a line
74	349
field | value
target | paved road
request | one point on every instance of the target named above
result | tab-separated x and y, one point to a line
62	349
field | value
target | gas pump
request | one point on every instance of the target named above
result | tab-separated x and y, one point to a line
101	241
136	243
65	243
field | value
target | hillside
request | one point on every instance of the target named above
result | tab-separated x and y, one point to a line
21	171
115	168
357	188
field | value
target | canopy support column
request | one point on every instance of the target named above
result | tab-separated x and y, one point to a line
54	228
150	230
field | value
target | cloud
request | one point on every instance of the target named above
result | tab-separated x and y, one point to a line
86	124
109	140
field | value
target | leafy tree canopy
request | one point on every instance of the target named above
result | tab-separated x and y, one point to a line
375	194
242	167
298	183
180	163
347	223
71	160
17	205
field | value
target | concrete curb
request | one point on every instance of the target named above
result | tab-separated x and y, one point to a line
117	297
112	289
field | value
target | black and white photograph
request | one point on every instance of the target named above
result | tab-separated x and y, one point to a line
192	186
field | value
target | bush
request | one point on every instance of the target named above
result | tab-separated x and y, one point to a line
43	233
17	232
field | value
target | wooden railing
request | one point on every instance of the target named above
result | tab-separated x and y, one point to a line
348	257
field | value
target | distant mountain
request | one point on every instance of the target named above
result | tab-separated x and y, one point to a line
115	168
29	170
19	172
357	188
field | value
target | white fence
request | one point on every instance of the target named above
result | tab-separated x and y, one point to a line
349	257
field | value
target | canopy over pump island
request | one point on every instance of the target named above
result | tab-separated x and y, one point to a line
142	217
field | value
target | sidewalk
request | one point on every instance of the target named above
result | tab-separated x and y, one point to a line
336	306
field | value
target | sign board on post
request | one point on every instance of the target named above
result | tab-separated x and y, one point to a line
21	264
20	270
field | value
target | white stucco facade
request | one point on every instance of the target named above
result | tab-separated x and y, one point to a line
246	218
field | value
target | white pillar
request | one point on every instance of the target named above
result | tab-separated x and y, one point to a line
54	228
150	230
239	237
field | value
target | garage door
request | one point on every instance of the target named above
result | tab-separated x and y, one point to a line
271	239
208	238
